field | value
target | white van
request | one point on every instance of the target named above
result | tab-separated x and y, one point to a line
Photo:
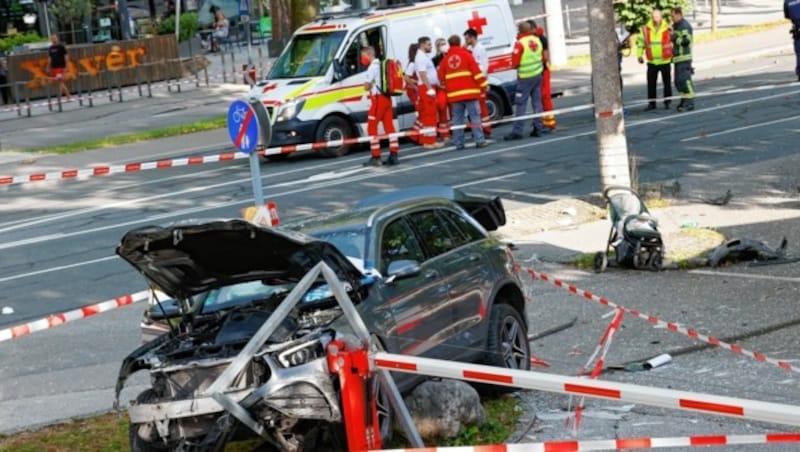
314	91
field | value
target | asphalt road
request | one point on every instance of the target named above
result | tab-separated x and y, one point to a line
57	239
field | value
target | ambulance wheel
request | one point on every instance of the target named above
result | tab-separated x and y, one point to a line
334	128
600	262
495	105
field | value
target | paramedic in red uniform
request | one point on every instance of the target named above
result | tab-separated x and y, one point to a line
428	86
380	111
463	84
482	58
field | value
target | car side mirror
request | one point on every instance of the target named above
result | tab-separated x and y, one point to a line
402	269
338	70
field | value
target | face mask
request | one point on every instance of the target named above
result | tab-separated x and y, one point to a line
445	48
364	60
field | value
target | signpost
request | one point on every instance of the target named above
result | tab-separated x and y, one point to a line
249	127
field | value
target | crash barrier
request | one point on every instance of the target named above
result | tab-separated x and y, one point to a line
753	410
670	326
55	320
621	444
85	95
316	146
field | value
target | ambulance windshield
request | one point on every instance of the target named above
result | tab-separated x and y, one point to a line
307	55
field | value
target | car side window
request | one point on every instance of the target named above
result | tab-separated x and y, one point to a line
352	58
462	227
434	232
398	242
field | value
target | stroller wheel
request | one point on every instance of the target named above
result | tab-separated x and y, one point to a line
600	262
656	261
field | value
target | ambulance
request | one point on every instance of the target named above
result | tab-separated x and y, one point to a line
314	91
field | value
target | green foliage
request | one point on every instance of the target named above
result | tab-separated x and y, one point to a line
9	42
189	26
501	418
635	13
71	11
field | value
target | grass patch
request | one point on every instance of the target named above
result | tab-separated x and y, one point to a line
109	432
584	260
657	203
502	414
171	131
738	31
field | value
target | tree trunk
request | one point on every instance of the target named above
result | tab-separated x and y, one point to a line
611	141
281	12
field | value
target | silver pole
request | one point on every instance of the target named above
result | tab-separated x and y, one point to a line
255	174
178	20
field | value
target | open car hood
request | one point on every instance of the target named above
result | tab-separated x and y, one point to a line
188	258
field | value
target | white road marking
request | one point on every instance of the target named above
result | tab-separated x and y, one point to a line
740	129
745	275
55	269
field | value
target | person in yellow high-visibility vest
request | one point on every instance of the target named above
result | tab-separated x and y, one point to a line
655	43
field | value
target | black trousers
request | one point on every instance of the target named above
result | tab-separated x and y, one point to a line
652	77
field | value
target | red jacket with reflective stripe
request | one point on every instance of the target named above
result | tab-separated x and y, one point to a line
462	77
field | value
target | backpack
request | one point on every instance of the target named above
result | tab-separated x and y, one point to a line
392	82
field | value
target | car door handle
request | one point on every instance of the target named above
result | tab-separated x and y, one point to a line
430	274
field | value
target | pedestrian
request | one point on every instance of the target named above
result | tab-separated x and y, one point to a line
5	90
527	60
791	10
482	58
380	111
57	65
221	28
548	120
655	43
682	38
428	87
463	83
412	89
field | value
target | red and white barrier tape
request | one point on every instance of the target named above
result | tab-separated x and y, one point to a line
694	334
104	170
621	443
624	392
68	316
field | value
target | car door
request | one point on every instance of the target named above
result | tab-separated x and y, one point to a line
471	289
461	270
418	302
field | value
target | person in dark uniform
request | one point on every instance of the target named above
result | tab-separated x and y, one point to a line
682	38
58	64
791	10
5	90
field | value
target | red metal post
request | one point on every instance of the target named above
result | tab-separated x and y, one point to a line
359	409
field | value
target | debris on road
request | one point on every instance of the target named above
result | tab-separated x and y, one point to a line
746	249
7	310
721	200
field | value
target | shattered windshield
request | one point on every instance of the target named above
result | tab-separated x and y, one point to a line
307	55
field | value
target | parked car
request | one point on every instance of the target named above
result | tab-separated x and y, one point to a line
425	276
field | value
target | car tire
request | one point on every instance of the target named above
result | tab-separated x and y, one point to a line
385	414
139	444
334	128
495	105
507	343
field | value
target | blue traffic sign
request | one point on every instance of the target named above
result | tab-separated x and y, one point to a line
244	7
243	126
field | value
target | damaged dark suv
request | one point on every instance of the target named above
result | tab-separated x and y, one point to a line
419	265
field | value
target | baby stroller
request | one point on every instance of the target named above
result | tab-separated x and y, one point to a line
634	232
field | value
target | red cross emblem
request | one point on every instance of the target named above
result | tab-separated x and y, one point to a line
269	87
532	45
454	62
477	22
